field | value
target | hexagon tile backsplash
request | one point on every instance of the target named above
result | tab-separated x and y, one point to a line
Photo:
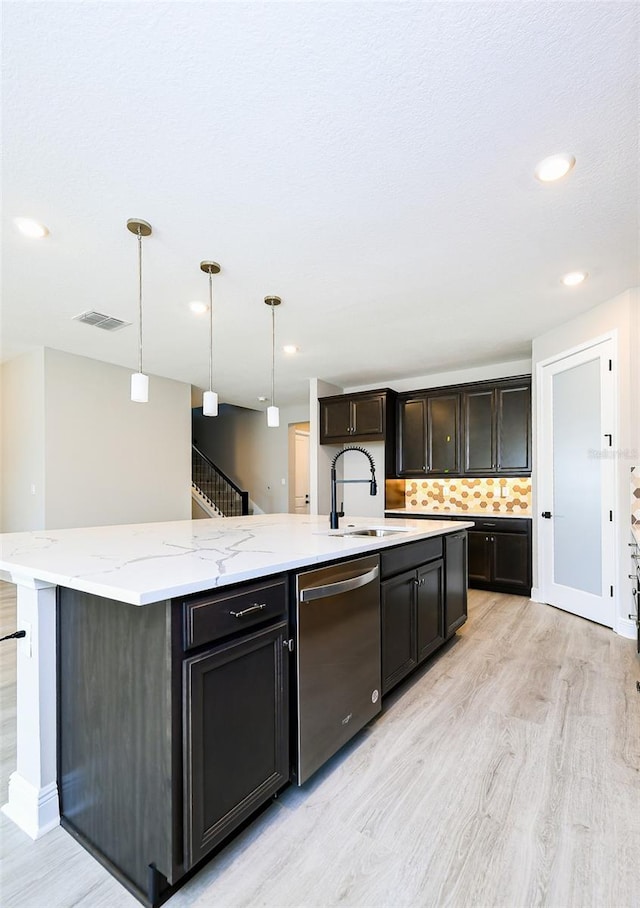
495	496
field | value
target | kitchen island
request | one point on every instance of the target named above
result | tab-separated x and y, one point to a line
136	606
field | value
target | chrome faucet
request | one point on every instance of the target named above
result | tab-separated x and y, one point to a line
335	514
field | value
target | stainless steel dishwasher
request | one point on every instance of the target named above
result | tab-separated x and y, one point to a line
338	657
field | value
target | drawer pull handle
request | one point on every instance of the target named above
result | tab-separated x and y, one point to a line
256	607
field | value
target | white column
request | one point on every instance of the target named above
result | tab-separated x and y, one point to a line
33	788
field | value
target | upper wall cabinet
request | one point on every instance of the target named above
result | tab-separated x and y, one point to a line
497	429
466	430
429	435
365	416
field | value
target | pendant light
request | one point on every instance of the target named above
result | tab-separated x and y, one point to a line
210	398
139	381
273	413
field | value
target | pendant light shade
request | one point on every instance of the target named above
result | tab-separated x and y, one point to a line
210	398
210	403
139	381
273	413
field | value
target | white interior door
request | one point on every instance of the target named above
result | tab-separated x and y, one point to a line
301	477
576	482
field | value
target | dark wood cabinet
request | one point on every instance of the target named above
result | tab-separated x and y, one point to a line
354	417
414	590
497	429
412	437
455	582
482	429
495	555
235	735
513	429
500	555
173	724
478	408
429	608
399	653
429	433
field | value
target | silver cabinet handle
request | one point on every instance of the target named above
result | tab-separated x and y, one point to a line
342	586
256	607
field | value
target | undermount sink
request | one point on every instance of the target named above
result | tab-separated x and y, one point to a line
370	531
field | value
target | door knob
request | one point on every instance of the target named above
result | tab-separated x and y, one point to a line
546	514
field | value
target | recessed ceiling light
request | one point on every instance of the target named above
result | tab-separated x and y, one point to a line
554	167
198	307
290	348
573	278
31	228
262	399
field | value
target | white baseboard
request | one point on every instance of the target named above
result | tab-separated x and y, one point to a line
536	595
626	628
34	810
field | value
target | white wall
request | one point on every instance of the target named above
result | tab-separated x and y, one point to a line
254	456
320	455
104	459
621	316
22	447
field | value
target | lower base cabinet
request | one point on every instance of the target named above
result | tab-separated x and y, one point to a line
500	556
235	735
415	611
173	725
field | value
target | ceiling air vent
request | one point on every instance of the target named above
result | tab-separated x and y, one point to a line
98	320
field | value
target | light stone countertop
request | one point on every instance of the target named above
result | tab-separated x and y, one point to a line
415	513
143	563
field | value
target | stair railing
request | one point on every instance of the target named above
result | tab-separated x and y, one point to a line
216	487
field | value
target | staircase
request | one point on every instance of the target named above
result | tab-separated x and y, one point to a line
215	493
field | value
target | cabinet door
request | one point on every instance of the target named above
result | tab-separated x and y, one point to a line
479	556
335	418
479	434
399	655
510	560
513	429
455	583
412	447
235	735
443	432
430	608
367	416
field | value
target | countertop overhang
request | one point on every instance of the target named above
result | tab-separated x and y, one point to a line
144	563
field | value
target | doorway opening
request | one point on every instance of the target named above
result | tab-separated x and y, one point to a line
299	433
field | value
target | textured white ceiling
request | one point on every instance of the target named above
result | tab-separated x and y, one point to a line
370	163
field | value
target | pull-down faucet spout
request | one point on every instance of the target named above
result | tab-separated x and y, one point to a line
335	514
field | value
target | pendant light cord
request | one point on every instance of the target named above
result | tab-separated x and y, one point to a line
210	330
273	354
139	300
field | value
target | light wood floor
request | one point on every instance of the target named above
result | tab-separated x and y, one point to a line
506	773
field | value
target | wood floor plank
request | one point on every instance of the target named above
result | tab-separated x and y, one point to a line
505	773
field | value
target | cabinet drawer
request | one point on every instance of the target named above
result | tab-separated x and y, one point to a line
212	617
501	524
405	557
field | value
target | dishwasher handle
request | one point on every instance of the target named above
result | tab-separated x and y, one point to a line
342	586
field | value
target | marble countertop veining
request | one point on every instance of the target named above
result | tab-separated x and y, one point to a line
143	563
415	512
